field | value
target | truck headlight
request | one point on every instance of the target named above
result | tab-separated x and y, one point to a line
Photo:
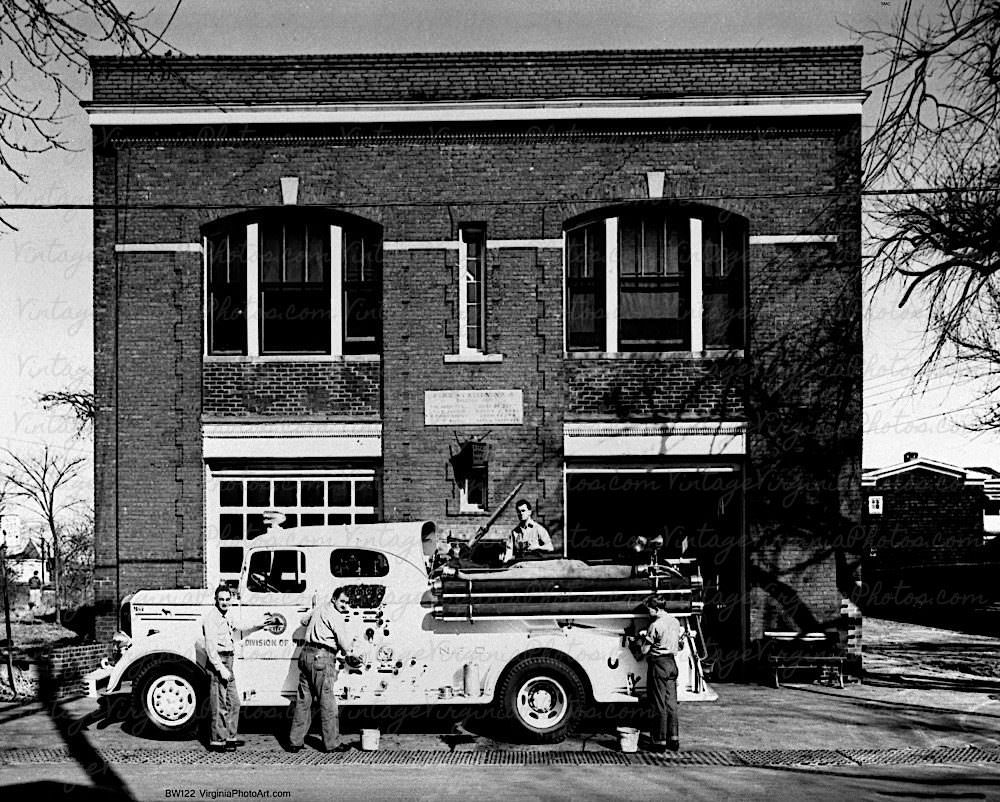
120	642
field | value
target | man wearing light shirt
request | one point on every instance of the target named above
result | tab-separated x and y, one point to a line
327	639
528	537
220	648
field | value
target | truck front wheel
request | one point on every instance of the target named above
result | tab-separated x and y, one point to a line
170	698
543	697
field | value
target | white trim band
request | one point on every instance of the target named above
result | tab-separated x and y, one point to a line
792	239
158	247
421	245
497	244
490	110
677	439
291	440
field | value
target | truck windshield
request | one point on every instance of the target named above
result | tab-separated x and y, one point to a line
279	571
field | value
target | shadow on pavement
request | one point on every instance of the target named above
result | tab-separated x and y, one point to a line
50	789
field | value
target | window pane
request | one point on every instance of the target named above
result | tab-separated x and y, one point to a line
258	494
338	519
231	527
230	559
255	526
231	494
313	520
312	494
576	251
295	252
366	518
652	248
218	259
276	572
629	249
358	563
270	252
354	258
339	494
318	252
361	320
291	519
286	494
295	320
364	494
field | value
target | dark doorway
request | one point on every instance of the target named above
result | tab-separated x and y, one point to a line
699	512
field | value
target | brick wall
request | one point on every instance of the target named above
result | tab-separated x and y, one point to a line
292	390
68	665
927	518
799	386
476	76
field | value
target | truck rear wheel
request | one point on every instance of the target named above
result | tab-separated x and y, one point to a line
170	698
543	697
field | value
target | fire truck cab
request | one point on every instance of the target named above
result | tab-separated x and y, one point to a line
540	641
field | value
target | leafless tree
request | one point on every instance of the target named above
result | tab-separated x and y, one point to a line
40	483
44	46
80	404
936	148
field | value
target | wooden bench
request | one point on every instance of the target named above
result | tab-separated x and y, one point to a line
790	651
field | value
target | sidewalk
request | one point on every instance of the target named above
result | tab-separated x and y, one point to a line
905	703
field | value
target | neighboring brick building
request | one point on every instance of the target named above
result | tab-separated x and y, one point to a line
922	512
634	276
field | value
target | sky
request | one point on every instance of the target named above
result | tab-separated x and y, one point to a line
45	266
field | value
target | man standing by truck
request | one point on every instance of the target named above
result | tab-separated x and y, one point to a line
660	643
220	648
326	641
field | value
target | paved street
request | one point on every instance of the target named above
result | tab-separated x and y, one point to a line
924	725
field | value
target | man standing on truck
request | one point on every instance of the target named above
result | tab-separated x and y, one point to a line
528	537
326	640
220	648
660	643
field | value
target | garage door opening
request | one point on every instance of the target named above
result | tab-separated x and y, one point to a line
699	513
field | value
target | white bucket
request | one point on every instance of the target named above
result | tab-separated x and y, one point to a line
628	739
369	740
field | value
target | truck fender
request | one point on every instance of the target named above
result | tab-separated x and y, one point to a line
154	648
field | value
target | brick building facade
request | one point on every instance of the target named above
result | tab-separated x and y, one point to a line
923	512
634	277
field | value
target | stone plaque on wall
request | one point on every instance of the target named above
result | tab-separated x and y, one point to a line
473	407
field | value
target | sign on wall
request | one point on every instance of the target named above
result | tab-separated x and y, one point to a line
874	505
473	407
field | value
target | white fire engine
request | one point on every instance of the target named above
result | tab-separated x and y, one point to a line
537	639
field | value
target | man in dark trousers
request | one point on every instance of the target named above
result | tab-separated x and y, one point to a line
660	643
326	642
220	649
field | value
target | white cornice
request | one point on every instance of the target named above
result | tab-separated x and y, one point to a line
480	111
676	439
286	440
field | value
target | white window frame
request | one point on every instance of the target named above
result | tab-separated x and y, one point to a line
464	505
464	353
213	507
611	281
336	268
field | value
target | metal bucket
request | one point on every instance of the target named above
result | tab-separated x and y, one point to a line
369	740
628	739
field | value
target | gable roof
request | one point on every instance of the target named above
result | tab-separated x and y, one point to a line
871	476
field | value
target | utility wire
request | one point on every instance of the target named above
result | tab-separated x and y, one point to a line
479	201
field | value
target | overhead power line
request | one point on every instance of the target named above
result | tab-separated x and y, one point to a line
480	201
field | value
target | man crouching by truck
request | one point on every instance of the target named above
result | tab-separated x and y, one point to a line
220	647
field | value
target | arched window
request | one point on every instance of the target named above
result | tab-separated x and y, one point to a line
656	279
293	282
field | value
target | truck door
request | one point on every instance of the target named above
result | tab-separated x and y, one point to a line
275	586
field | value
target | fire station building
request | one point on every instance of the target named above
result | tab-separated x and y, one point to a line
394	287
